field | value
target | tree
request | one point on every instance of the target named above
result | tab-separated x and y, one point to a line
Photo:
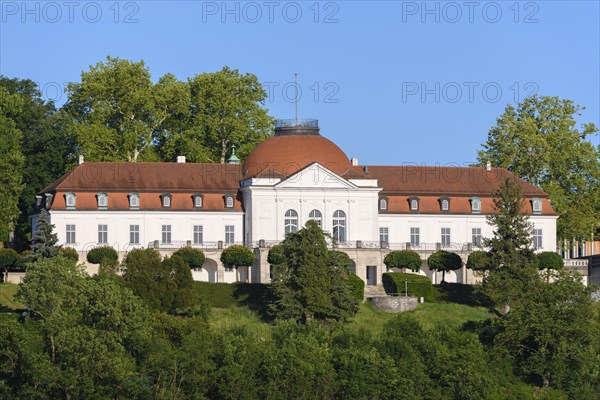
118	111
444	261
11	162
44	242
539	335
511	258
47	148
550	260
479	261
539	142
194	258
227	110
237	256
408	259
312	283
101	253
276	256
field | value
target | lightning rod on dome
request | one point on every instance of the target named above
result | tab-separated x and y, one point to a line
297	92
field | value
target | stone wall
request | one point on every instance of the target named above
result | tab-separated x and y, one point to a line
394	304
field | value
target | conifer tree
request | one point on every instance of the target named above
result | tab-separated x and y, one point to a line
512	260
44	241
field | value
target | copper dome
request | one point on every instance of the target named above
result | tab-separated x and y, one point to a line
293	148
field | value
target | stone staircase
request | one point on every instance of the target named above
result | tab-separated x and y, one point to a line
374	291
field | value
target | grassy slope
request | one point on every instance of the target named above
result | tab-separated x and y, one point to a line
7	301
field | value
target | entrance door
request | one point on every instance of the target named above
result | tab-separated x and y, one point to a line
371	275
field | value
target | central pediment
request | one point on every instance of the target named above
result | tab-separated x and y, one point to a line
315	176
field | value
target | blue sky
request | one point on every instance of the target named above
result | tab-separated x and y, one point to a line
390	82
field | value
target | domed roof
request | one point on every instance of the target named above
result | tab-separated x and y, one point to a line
293	148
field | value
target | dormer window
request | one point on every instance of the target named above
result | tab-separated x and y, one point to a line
166	200
445	204
38	201
229	201
414	203
102	200
383	204
536	204
198	200
134	201
476	205
69	201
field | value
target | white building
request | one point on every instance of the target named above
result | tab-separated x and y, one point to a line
292	177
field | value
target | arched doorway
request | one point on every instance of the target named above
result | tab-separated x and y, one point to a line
208	272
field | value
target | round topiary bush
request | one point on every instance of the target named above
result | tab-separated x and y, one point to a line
479	261
237	256
276	256
550	260
444	261
70	253
97	254
408	259
194	258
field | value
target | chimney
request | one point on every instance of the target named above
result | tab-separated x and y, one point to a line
354	161
488	166
181	159
80	159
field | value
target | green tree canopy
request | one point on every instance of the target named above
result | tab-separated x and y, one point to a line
550	260
540	142
237	256
312	283
44	244
194	258
11	162
408	259
444	261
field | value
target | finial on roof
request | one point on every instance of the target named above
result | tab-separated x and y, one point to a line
233	158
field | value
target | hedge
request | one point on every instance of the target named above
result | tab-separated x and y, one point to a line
550	260
194	258
97	254
418	285
409	259
357	287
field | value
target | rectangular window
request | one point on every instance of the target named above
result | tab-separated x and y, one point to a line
166	233
134	234
445	237
537	239
198	233
476	236
102	234
229	234
414	236
71	234
384	235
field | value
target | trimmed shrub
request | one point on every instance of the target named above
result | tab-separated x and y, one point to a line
97	254
408	259
338	258
194	258
237	256
418	285
69	253
357	287
550	260
479	261
276	256
442	260
8	259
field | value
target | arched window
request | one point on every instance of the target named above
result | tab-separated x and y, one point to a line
445	205
339	226
229	202
414	205
102	200
383	204
476	205
291	221
198	201
537	206
134	200
166	200
316	216
69	200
